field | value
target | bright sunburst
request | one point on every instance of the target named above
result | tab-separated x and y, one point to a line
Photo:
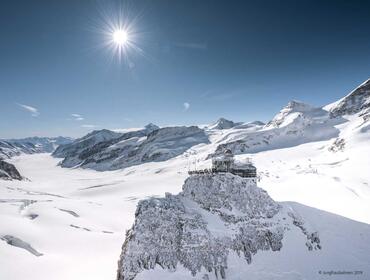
120	37
119	27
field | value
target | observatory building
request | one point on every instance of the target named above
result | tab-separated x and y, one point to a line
225	163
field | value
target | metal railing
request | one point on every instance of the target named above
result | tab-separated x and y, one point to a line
210	171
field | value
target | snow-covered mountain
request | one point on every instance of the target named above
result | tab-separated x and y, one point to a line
223	123
298	123
294	110
223	226
30	145
43	144
116	151
86	142
295	124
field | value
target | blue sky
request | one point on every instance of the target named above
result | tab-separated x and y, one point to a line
200	60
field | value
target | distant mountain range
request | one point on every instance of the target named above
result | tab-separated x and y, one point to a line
30	145
295	124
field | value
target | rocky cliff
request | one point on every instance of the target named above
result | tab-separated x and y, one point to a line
197	230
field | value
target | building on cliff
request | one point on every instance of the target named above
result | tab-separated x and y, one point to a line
225	163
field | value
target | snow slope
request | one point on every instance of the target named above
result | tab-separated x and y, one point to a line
75	218
98	207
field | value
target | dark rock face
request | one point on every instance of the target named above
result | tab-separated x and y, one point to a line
198	229
338	145
8	171
358	100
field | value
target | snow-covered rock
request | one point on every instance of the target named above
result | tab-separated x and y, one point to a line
8	171
214	219
133	148
356	101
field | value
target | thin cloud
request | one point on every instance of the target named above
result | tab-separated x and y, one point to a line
34	111
89	126
186	106
77	117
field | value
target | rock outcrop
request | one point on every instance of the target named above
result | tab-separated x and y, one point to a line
8	171
198	229
358	100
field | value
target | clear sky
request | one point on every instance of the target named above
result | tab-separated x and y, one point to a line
199	60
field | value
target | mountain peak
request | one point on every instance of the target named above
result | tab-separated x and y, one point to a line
223	123
289	112
151	127
102	133
298	106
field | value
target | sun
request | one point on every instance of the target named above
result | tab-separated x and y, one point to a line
118	27
120	37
